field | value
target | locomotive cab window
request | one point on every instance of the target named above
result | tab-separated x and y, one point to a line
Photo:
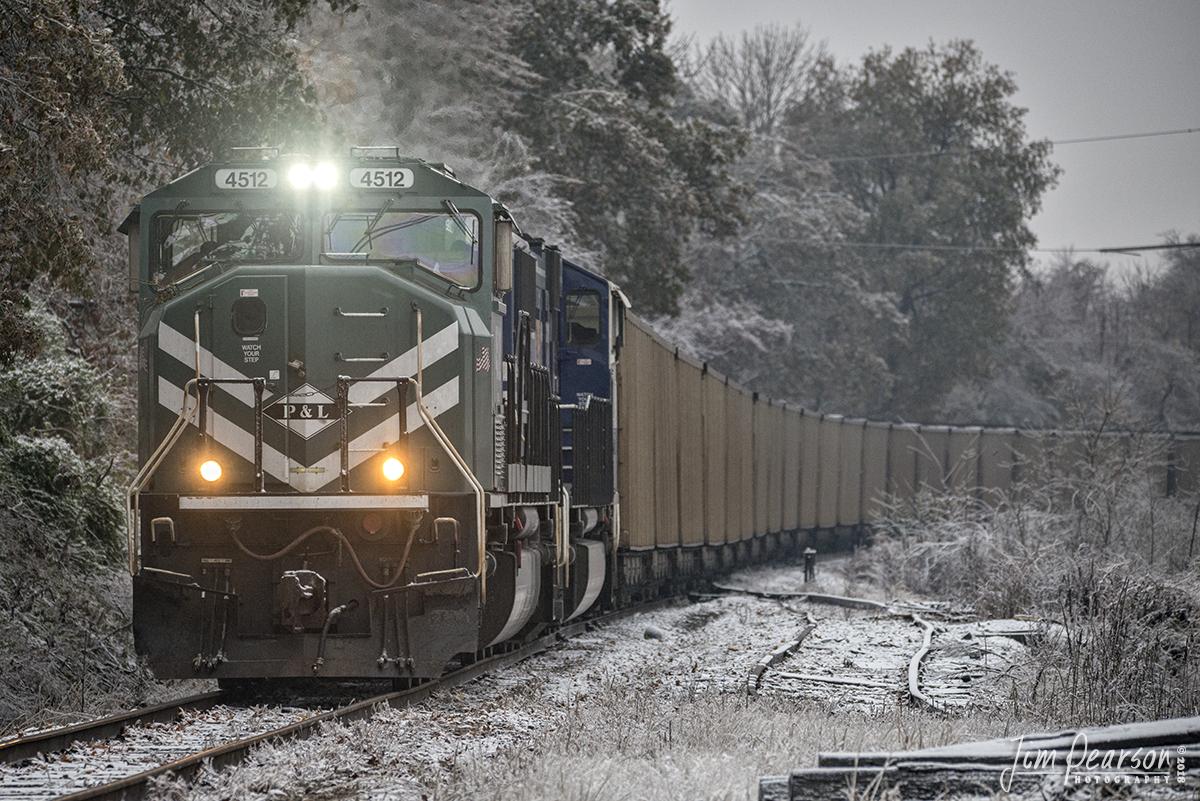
445	244
581	318
186	242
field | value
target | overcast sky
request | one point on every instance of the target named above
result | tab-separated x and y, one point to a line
1084	68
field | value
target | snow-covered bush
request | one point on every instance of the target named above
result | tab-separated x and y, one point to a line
65	639
1101	557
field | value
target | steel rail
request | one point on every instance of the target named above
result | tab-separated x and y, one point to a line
137	785
105	728
914	669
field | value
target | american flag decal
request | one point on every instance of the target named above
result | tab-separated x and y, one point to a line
483	363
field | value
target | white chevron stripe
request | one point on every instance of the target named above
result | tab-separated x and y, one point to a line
434	349
277	464
182	349
367	445
444	397
232	436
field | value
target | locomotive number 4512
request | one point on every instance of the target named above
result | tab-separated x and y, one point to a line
377	178
246	179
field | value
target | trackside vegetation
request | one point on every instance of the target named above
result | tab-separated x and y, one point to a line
1102	559
64	638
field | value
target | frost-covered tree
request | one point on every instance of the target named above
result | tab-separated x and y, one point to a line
563	109
58	72
105	95
783	309
761	75
1087	343
641	177
438	80
927	143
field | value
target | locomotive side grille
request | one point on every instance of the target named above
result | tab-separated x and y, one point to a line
512	414
591	454
542	412
499	452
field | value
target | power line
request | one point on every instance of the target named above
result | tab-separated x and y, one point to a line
964	151
1150	247
1125	136
986	249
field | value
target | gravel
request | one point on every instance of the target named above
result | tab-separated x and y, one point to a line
139	749
655	706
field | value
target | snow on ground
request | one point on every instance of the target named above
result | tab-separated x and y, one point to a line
617	714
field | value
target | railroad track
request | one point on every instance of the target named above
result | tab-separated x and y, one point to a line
1160	759
60	764
60	739
849	674
877	659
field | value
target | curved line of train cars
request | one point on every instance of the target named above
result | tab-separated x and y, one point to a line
381	429
712	475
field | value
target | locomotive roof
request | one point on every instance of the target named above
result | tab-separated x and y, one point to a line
424	178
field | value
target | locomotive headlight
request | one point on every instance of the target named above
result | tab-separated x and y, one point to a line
392	469
301	176
324	176
210	470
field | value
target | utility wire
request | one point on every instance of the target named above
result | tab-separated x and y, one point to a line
963	151
930	153
986	249
1150	247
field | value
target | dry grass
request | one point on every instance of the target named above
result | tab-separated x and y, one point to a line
622	742
1100	555
715	747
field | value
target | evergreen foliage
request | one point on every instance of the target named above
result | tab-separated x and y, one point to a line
105	93
64	637
57	447
640	178
965	204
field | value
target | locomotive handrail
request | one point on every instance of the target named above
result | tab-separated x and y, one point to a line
464	468
560	538
132	511
259	384
344	404
338	357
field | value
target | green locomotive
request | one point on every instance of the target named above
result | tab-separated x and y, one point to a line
350	440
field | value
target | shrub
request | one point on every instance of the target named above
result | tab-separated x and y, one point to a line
1102	557
59	396
70	497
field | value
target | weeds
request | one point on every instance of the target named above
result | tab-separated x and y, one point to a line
1097	552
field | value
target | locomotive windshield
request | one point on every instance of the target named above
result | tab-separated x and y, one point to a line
445	244
184	242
